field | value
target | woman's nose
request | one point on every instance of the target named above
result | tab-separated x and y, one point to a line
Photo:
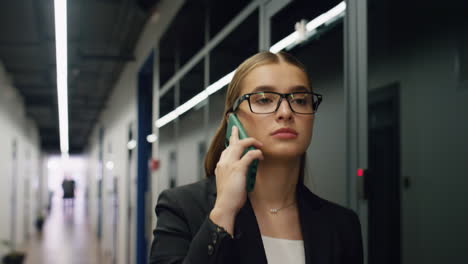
284	110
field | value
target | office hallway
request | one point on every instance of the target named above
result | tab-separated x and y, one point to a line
127	98
66	238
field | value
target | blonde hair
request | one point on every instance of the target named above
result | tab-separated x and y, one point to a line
233	92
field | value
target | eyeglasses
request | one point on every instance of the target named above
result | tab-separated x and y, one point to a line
269	102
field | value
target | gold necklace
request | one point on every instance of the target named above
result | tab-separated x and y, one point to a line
276	210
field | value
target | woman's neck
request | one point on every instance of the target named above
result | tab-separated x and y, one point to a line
276	181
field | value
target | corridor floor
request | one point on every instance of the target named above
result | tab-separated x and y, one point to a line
66	239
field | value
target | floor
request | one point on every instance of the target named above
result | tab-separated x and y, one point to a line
66	238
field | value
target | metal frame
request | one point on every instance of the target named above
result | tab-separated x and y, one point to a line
206	77
144	124
246	97
355	50
263	36
153	180
271	8
209	46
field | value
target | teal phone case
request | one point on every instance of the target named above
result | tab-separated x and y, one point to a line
252	170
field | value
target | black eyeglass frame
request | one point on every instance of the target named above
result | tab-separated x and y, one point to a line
282	96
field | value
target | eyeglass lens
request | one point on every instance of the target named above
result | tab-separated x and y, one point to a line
268	102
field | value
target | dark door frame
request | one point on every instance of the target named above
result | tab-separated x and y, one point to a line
389	95
145	119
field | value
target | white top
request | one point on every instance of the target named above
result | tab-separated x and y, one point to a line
282	251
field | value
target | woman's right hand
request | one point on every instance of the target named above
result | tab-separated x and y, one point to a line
230	174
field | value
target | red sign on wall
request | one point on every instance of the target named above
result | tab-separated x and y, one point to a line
153	164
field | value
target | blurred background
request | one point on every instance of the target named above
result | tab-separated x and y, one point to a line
105	103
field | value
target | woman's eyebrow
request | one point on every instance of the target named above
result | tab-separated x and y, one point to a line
269	88
264	88
299	88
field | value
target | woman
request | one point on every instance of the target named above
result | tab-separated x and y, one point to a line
216	221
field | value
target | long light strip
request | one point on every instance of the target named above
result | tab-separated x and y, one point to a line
282	44
288	42
195	100
60	10
328	17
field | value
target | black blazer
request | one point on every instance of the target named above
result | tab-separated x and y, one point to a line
185	234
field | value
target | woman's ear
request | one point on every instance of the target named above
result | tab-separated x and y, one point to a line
226	116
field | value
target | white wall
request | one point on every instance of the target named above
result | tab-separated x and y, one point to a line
191	133
92	178
326	155
15	126
115	119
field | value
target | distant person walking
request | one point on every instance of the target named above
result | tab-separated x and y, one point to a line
68	186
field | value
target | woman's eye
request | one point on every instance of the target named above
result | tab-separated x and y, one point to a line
263	101
299	101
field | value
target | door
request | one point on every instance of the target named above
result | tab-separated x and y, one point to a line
115	222
130	189
100	172
14	177
384	178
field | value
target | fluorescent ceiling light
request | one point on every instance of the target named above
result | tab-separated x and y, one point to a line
60	10
131	144
167	118
192	102
52	164
220	83
151	138
195	100
110	165
288	42
326	18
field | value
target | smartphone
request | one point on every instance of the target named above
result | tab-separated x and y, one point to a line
252	170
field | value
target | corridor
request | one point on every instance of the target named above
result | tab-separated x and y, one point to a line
66	238
128	98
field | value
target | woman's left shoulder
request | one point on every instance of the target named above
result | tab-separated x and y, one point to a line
338	220
331	210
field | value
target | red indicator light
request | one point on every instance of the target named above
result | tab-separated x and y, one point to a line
360	172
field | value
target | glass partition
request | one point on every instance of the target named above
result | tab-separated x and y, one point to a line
417	145
322	55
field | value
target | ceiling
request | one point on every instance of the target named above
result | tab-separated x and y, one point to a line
101	36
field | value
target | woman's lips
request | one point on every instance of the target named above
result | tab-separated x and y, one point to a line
284	133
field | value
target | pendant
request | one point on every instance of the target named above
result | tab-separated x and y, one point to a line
274	211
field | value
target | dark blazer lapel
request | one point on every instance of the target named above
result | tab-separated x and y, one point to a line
318	235
211	193
248	239
316	231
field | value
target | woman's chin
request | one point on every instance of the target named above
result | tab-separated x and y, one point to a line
282	154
